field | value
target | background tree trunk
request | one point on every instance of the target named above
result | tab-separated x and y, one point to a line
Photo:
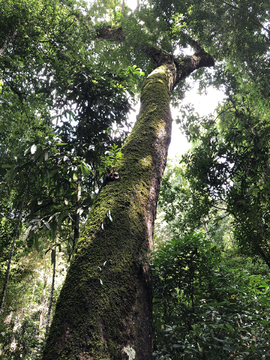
51	292
76	217
3	296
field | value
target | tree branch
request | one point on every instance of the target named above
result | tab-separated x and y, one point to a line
161	57
8	42
186	65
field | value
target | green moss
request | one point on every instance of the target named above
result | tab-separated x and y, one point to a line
105	286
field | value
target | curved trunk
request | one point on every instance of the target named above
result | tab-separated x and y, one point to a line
104	310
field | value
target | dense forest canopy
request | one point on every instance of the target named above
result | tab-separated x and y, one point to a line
70	71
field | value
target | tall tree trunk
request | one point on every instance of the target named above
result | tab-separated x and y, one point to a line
51	292
12	250
43	306
76	217
105	307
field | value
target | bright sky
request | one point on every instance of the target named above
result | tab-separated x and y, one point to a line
204	105
132	4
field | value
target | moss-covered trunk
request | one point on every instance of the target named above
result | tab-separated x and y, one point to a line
104	309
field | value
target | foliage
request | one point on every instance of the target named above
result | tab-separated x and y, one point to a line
238	33
23	328
228	169
184	210
64	100
208	305
62	110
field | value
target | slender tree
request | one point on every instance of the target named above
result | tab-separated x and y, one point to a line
15	236
52	289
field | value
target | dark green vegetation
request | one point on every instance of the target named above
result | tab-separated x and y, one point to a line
209	304
68	74
62	121
211	300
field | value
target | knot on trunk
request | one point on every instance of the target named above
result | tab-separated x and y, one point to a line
159	57
111	34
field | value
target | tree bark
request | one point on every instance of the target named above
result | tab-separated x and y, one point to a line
105	307
76	217
51	292
3	296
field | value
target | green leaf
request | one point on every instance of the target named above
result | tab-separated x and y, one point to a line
7	166
230	327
